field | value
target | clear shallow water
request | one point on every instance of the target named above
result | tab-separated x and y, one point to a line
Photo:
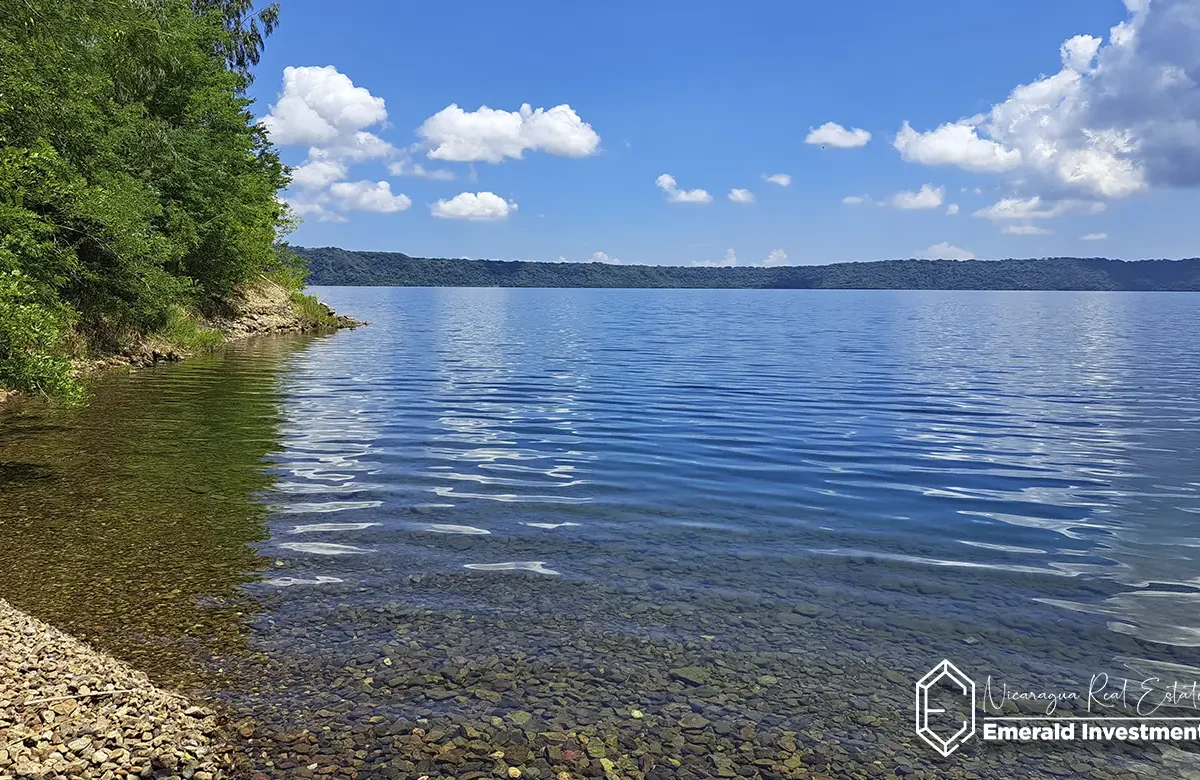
1052	435
544	501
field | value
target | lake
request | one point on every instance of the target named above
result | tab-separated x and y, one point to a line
643	533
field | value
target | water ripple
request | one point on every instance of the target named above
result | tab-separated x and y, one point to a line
1036	445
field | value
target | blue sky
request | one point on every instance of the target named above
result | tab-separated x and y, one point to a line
1104	141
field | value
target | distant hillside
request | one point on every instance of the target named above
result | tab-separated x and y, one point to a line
331	266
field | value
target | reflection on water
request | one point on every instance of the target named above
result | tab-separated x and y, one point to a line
128	522
786	485
1050	434
754	517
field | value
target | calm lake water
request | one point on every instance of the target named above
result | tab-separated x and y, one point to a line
689	533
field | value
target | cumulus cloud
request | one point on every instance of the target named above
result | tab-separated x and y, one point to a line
947	251
782	179
776	257
357	146
323	109
952	209
928	197
319	105
492	135
730	259
368	196
855	200
314	207
1026	230
955	144
833	134
1077	53
1037	208
741	196
1094	237
406	167
602	257
667	184
475	206
1120	116
318	174
327	164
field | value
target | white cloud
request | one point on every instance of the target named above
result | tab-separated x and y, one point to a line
1094	237
406	167
492	135
1037	208
741	196
730	259
318	174
775	258
928	197
1119	117
314	207
667	184
602	257
955	144
1026	230
833	134
368	196
952	209
1077	53
855	200
320	105
947	251
357	147
475	206
782	179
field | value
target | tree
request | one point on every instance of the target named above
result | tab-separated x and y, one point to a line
134	180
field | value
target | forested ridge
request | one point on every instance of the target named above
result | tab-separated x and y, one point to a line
136	187
332	266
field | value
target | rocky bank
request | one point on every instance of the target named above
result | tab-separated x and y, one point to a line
70	711
258	309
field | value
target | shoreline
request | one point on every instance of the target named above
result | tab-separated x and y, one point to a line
69	710
263	308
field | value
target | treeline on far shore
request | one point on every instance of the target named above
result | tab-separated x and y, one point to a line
332	266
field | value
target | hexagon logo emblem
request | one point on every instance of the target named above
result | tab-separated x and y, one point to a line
945	708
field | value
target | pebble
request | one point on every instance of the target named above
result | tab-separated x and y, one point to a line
98	736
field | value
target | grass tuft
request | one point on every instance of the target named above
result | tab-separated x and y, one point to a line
183	332
310	308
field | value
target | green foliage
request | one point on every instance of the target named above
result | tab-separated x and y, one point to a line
245	30
134	180
331	266
32	330
182	331
311	309
289	270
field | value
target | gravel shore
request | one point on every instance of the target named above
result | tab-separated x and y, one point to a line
69	711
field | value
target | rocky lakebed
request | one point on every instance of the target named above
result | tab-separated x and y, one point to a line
481	540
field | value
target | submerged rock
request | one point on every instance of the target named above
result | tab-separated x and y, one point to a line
693	675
